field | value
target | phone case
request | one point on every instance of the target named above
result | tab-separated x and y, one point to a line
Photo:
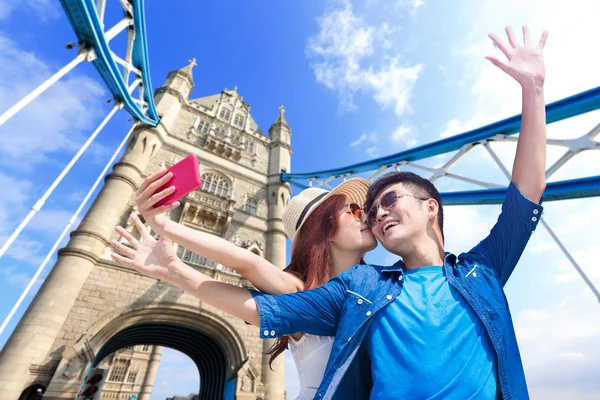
186	179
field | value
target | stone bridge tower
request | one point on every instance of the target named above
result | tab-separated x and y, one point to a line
93	312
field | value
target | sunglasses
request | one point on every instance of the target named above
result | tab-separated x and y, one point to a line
355	210
387	202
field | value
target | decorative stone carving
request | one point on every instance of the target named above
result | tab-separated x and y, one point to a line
235	239
73	368
223	147
246	384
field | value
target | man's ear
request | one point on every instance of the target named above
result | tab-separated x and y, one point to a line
432	208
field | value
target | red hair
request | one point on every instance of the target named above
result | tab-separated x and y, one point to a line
311	254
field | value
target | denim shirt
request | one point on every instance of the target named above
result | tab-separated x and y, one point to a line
345	305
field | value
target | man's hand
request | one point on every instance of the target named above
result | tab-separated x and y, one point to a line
145	199
525	63
156	259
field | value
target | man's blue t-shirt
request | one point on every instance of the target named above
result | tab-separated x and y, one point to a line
429	344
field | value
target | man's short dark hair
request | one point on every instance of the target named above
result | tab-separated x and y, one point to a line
418	185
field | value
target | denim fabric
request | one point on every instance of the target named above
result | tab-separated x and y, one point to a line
345	305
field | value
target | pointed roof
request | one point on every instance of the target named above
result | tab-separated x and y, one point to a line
281	119
188	68
210	102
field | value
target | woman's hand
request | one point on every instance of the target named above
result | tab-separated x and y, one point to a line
151	257
145	199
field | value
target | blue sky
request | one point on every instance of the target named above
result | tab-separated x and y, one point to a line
358	80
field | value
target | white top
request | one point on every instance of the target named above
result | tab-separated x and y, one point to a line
311	354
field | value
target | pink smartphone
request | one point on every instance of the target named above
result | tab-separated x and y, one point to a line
186	179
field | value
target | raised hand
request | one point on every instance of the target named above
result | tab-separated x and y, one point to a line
150	257
145	200
525	62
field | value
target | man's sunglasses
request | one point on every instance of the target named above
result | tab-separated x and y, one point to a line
387	202
355	210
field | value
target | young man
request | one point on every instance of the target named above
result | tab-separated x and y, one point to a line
434	325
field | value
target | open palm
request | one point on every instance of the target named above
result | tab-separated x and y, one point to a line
150	257
525	62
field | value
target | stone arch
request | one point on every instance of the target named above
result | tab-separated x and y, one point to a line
33	392
210	341
172	313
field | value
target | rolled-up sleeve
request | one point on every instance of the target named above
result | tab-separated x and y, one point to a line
505	244
315	311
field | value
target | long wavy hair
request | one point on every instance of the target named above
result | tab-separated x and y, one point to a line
311	254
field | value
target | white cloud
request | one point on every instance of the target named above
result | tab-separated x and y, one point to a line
365	137
54	122
51	221
404	134
372	151
177	375
479	221
23	249
340	50
560	347
44	9
361	143
411	5
15	276
455	127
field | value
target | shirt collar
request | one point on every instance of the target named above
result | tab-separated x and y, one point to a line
399	265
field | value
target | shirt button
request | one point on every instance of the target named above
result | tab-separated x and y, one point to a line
266	332
389	297
368	313
272	333
400	277
359	301
534	219
536	211
474	274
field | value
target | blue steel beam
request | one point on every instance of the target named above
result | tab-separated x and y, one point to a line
84	19
559	110
140	56
563	190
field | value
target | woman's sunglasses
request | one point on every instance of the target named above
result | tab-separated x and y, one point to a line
387	202
355	210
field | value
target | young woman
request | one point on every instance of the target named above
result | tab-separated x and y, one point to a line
329	235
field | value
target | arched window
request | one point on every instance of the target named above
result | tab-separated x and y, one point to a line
216	184
203	126
251	206
225	114
239	120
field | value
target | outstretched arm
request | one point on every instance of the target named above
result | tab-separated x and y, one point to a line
262	274
526	65
312	311
157	259
521	211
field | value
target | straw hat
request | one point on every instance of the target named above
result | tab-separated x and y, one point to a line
302	205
